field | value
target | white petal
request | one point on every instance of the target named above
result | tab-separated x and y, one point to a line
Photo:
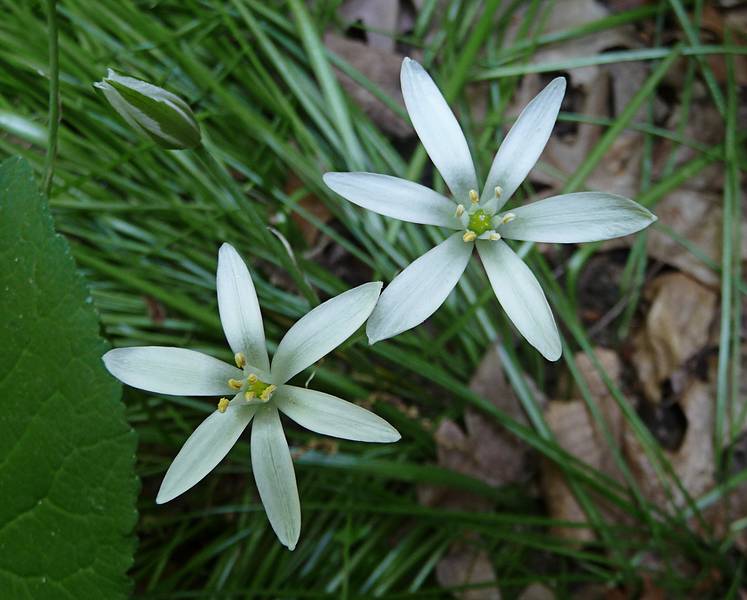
204	449
523	145
417	292
239	308
334	416
174	371
521	296
438	129
394	197
273	472
580	217
322	330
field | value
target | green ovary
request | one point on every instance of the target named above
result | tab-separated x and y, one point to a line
479	222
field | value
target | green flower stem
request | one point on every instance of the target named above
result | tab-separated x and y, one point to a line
270	241
54	96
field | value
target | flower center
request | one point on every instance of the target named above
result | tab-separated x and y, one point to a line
258	389
479	222
255	390
476	222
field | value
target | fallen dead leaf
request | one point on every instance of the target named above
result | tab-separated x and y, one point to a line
312	204
537	591
692	462
380	66
578	433
487	452
676	328
468	565
596	91
380	18
483	450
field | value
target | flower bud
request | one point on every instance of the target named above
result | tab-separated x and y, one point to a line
151	110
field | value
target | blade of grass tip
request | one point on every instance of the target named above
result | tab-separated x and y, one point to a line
54	96
330	87
457	78
692	36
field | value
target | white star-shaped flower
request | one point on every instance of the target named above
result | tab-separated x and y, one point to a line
418	291
258	390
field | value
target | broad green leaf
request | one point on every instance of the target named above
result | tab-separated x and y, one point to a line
66	451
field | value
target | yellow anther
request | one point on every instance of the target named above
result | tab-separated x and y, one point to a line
460	210
473	197
240	360
267	393
494	237
469	236
507	218
248	396
252	379
498	191
222	405
235	384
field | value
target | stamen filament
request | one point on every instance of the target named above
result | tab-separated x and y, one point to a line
265	396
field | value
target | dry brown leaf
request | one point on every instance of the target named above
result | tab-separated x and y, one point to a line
484	450
537	591
575	13
577	432
380	17
693	461
703	125
468	565
382	68
591	91
676	328
312	204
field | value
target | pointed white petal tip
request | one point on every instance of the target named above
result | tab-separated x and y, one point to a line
372	339
558	82
552	354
